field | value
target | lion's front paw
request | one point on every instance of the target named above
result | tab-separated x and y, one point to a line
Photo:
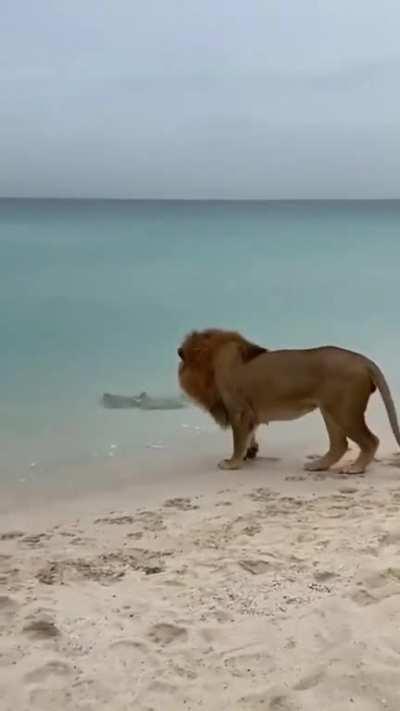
229	464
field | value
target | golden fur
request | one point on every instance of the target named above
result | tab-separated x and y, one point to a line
243	385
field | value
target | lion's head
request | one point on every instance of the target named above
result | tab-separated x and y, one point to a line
198	354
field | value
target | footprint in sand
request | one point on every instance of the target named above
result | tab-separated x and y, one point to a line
41	628
104	569
161	687
252	529
79	541
8	575
8	609
52	668
74	538
150	521
390	537
184	672
348	490
52	699
128	644
321	576
278	702
182	504
35	540
165	633
377	586
249	665
262	494
332	474
363	598
116	520
11	535
309	681
59	572
137	535
130	653
256	567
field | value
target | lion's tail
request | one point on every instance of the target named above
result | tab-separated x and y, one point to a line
380	382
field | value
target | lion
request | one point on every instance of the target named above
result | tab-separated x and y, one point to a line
243	385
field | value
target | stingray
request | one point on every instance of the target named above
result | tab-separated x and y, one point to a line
142	402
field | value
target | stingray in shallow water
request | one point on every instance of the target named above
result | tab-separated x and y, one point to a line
142	402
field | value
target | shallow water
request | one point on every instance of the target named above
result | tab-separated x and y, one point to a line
96	295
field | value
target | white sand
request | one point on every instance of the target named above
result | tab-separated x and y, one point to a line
267	588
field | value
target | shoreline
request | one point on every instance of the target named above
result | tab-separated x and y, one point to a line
192	451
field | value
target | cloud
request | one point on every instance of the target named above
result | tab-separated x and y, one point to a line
207	99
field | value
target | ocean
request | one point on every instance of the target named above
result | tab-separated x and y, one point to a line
96	296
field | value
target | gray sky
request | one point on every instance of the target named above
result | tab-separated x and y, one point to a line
200	98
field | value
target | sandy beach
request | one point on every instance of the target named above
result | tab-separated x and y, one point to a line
268	588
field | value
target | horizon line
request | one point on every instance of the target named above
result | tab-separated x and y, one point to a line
194	199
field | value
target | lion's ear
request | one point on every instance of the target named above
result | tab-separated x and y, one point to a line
251	350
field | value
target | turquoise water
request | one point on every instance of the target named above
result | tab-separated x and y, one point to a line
96	295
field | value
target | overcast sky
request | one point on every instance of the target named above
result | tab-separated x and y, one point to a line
200	98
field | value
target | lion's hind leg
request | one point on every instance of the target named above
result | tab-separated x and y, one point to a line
368	443
337	445
349	414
